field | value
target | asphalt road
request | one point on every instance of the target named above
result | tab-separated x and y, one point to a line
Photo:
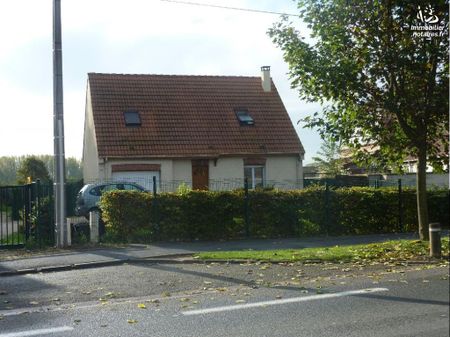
229	300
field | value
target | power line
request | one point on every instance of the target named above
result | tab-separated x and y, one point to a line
226	7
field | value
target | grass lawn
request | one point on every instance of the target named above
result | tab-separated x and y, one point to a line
386	251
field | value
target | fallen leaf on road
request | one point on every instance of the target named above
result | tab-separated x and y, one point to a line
132	321
34	303
166	294
141	306
207	282
184	299
77	321
240	301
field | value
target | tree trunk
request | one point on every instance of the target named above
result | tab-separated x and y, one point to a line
421	191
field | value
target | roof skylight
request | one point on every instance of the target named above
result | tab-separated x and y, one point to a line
244	117
132	118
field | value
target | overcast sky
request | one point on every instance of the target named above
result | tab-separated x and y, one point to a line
132	36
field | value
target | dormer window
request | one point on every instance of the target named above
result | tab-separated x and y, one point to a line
243	117
132	118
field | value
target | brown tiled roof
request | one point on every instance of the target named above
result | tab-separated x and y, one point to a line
188	116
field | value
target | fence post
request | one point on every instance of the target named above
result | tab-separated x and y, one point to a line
155	207
327	207
94	226
246	210
28	209
400	206
37	207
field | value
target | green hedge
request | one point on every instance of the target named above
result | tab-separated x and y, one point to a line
200	215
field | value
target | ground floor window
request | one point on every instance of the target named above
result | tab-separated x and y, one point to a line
254	175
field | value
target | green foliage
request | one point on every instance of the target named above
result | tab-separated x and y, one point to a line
202	215
42	226
329	161
384	90
80	238
380	84
32	169
126	211
9	165
183	188
8	170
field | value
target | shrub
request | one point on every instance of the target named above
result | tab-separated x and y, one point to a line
202	215
42	225
126	211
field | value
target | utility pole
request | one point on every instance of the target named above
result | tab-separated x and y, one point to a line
58	131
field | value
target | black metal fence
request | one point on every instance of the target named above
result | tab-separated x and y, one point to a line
22	209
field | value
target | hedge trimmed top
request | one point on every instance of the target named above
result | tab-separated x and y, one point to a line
201	215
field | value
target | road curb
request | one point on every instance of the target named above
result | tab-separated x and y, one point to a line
167	259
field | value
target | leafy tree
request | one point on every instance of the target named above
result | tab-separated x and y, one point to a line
8	169
74	169
329	161
32	168
380	84
9	166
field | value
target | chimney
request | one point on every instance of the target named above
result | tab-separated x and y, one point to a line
265	78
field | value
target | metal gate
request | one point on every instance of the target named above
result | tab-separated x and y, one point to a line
26	215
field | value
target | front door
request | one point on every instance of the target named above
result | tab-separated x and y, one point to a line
200	174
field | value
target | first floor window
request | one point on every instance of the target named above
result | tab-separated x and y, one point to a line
254	175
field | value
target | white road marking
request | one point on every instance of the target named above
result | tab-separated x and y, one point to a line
282	301
37	332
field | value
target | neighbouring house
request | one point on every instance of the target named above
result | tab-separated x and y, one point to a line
387	177
207	132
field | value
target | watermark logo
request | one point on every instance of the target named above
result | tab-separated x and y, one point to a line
428	25
427	15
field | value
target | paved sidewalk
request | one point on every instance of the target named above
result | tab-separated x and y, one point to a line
97	257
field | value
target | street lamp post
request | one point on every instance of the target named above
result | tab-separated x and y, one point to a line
58	130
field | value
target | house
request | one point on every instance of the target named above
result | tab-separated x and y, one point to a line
208	132
387	177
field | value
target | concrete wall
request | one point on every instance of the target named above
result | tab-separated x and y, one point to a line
433	179
90	151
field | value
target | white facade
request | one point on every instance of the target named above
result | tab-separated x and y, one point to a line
282	172
90	152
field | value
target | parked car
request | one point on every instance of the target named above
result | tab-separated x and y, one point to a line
88	198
